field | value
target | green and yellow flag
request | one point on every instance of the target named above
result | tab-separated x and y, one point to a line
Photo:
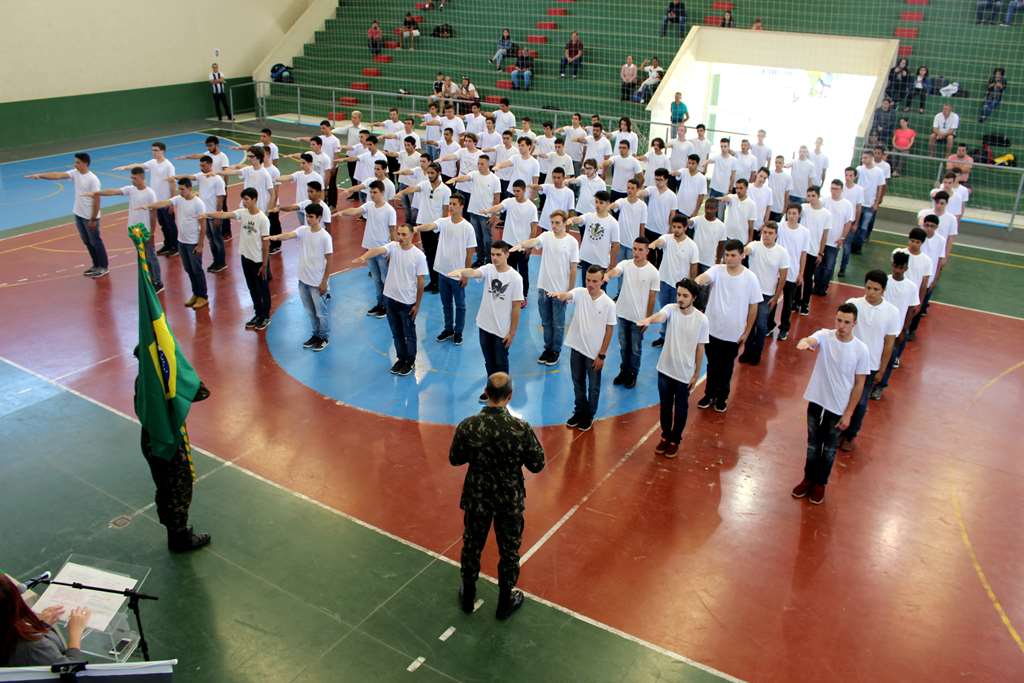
167	383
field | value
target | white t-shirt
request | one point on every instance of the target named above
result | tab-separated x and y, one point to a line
746	164
260	180
519	219
870	179
659	210
322	163
404	267
503	153
947	222
629	137
797	242
841	212
677	257
631	216
501	292
598	149
488	141
588	188
961	195
817	221
589	322
432	201
433	133
624	168
325	219
558	255
935	247
637	285
313	249
136	200
365	163
159	172
835	370
186	215
874	324
557	199
527	170
301	179
546	146
854	195
218	161
482	191
255	226
596	238
563	162
902	294
503	120
707	235
820	166
802	172
944	124
763	154
452	242
737	214
683	332
679	152
574	146
467	165
272	147
379	221
762	198
766	263
918	268
725	165
729	300
690	188
396	128
330	145
210	189
653	163
455	123
781	184
701	148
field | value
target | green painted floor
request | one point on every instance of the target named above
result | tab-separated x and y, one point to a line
288	591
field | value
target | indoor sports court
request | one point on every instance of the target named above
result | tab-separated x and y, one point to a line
324	479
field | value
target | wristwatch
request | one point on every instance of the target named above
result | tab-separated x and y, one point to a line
601	356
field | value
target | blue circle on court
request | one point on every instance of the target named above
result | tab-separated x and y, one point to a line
448	380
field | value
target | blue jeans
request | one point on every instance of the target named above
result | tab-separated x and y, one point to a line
403	329
315	304
625	254
864	227
215	235
755	342
793	199
631	339
482	229
675	405
93	241
379	273
916	322
575	64
410	213
452	291
857	419
521	79
826	267
193	265
989	106
822	439
681	24
586	385
552	320
666	296
170	229
495	354
1011	9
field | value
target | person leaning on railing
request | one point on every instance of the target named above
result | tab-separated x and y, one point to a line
30	640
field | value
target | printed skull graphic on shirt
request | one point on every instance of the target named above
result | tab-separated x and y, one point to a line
498	290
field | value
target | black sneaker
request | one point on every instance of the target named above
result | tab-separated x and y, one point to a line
376	312
876	393
619	379
630	382
573	421
407	368
721	405
309	343
585	424
98	273
543	358
457	339
262	324
805	310
783	335
397	366
320	344
660	341
896	363
250	324
553	359
505	610
842	273
483	397
184	540
90	272
445	335
159	288
705	402
217	268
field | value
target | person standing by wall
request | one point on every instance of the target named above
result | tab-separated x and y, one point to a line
220	96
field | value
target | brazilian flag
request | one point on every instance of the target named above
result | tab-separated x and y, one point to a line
167	383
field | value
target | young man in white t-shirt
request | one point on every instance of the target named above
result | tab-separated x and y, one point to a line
218	160
948	227
314	268
691	187
841	217
254	176
853	193
740	213
871	178
433	196
816	217
708	233
483	193
500	307
680	363
624	166
731	310
661	208
590	333
933	246
723	177
160	169
820	162
379	231
761	194
802	172
599	236
187	208
762	151
680	150
560	256
637	295
574	135
746	162
403	291
555	196
139	197
520	225
878	323
836	383
796	240
632	211
588	184
254	252
770	263
781	184
213	191
904	294
680	257
455	246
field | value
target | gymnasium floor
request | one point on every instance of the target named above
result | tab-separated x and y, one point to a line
335	513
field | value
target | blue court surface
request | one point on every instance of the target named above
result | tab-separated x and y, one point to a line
448	380
24	201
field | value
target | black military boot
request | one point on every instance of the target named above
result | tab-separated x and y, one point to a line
467	596
184	540
508	602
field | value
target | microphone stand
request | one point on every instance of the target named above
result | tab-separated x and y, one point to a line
133	596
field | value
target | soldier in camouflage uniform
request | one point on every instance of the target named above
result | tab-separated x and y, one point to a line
497	446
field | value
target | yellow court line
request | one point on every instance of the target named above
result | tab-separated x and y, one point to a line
981	575
954	254
988	384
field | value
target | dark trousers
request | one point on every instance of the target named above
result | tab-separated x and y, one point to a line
754	345
520	260
721	360
403	328
789	303
631	342
93	241
225	223
173	480
808	284
170	229
275	229
654	255
705	291
216	239
586	385
822	439
897	351
332	188
508	532
574	65
823	273
482	229
857	419
429	240
193	265
916	322
220	100
495	354
675	405
259	287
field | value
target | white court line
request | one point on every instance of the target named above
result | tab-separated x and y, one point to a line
409	544
956	244
416	663
447	634
87	367
933	302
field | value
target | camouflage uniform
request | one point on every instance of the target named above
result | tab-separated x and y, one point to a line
173	479
497	446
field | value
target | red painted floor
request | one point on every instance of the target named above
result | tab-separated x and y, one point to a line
706	555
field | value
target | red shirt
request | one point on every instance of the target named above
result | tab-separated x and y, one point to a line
903	138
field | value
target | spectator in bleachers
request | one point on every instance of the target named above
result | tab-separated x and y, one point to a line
902	140
944	128
437	88
410	31
627	75
504	47
727	20
449	92
898	84
375	38
1012	7
679	113
523	71
993	93
962	161
467	95
987	11
654	73
675	13
572	55
884	123
758	25
920	86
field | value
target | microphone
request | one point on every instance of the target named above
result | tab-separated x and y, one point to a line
36	580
